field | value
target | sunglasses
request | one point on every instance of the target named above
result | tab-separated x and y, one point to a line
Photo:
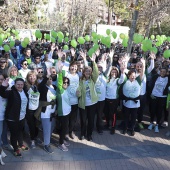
65	83
37	58
25	64
40	72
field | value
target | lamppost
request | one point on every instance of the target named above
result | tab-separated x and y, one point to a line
39	14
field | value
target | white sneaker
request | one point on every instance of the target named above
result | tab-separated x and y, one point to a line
1	161
150	127
3	154
164	124
66	143
156	129
63	147
33	146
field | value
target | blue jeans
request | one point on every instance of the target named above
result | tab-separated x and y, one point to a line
48	127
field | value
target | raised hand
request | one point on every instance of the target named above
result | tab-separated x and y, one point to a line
111	53
104	57
52	48
97	52
59	66
93	58
60	54
72	50
5	82
48	72
83	55
152	55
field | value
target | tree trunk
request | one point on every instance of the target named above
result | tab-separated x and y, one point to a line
149	27
159	27
132	29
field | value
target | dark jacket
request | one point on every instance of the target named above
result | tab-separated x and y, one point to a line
43	89
13	107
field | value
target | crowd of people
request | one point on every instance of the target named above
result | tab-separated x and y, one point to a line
48	87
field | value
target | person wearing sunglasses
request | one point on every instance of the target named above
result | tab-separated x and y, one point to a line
63	107
24	69
40	74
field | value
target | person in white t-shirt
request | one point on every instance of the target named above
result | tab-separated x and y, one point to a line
24	69
74	84
131	102
15	112
33	103
159	92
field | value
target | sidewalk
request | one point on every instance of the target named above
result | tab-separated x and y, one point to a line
146	150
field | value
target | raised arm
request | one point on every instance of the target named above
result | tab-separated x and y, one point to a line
151	67
95	72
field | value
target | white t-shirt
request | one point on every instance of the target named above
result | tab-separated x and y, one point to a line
74	84
48	64
159	86
132	90
3	103
33	99
24	102
51	95
112	87
24	72
88	101
65	66
100	87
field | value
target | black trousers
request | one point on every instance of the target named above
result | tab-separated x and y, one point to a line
87	116
141	108
16	131
63	120
31	121
73	117
157	107
110	111
130	115
99	111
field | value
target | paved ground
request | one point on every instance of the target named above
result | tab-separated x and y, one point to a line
146	150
